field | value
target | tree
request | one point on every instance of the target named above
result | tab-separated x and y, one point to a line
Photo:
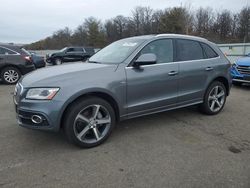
244	25
203	21
175	20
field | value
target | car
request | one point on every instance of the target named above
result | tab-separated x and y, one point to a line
129	78
15	61
240	71
70	54
38	60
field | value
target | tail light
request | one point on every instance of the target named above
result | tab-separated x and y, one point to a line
28	60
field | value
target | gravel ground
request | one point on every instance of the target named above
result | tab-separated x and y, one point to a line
181	148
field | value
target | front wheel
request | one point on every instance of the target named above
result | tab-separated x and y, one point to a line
89	122
57	61
215	98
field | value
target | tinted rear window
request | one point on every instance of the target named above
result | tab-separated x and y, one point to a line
4	51
209	52
188	50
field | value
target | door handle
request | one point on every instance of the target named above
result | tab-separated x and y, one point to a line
172	73
209	69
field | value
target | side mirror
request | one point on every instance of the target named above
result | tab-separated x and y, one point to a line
248	55
145	59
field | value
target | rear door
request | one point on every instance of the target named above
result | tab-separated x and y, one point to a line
2	57
195	70
7	56
153	87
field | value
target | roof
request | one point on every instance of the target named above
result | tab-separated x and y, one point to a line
147	37
181	36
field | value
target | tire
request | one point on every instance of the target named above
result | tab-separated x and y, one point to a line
237	83
213	104
57	61
10	75
83	128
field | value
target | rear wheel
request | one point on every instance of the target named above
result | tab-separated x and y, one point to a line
10	75
89	122
214	99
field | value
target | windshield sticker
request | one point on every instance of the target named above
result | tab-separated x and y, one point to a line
130	44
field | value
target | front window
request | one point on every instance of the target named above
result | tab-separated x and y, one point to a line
163	49
117	52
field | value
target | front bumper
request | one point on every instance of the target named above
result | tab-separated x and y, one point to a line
238	77
47	110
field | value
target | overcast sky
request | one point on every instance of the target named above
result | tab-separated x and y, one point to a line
25	21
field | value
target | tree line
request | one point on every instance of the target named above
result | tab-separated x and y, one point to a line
219	27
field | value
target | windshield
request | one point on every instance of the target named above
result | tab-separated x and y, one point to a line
62	50
116	52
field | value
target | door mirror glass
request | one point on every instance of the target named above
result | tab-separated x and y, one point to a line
145	59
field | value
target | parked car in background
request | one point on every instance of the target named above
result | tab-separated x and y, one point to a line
14	62
70	54
129	78
240	71
38	60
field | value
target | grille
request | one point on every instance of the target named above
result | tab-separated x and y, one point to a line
244	70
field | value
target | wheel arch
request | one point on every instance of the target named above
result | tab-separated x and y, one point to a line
10	65
224	81
103	95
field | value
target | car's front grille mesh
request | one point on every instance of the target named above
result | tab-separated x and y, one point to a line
244	70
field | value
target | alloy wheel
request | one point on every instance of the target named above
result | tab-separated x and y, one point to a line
216	98
92	124
11	76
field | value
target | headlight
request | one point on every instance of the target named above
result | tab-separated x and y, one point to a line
42	93
234	65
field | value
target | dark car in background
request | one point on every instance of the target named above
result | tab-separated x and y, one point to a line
70	54
38	60
14	62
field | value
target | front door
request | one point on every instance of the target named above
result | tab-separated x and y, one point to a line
153	87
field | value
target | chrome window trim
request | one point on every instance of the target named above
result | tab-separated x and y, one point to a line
197	60
16	53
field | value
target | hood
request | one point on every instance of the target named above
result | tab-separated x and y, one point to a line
66	74
243	61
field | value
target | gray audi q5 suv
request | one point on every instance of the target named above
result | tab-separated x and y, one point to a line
129	78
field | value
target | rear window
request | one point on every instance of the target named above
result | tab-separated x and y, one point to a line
209	52
5	51
188	50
